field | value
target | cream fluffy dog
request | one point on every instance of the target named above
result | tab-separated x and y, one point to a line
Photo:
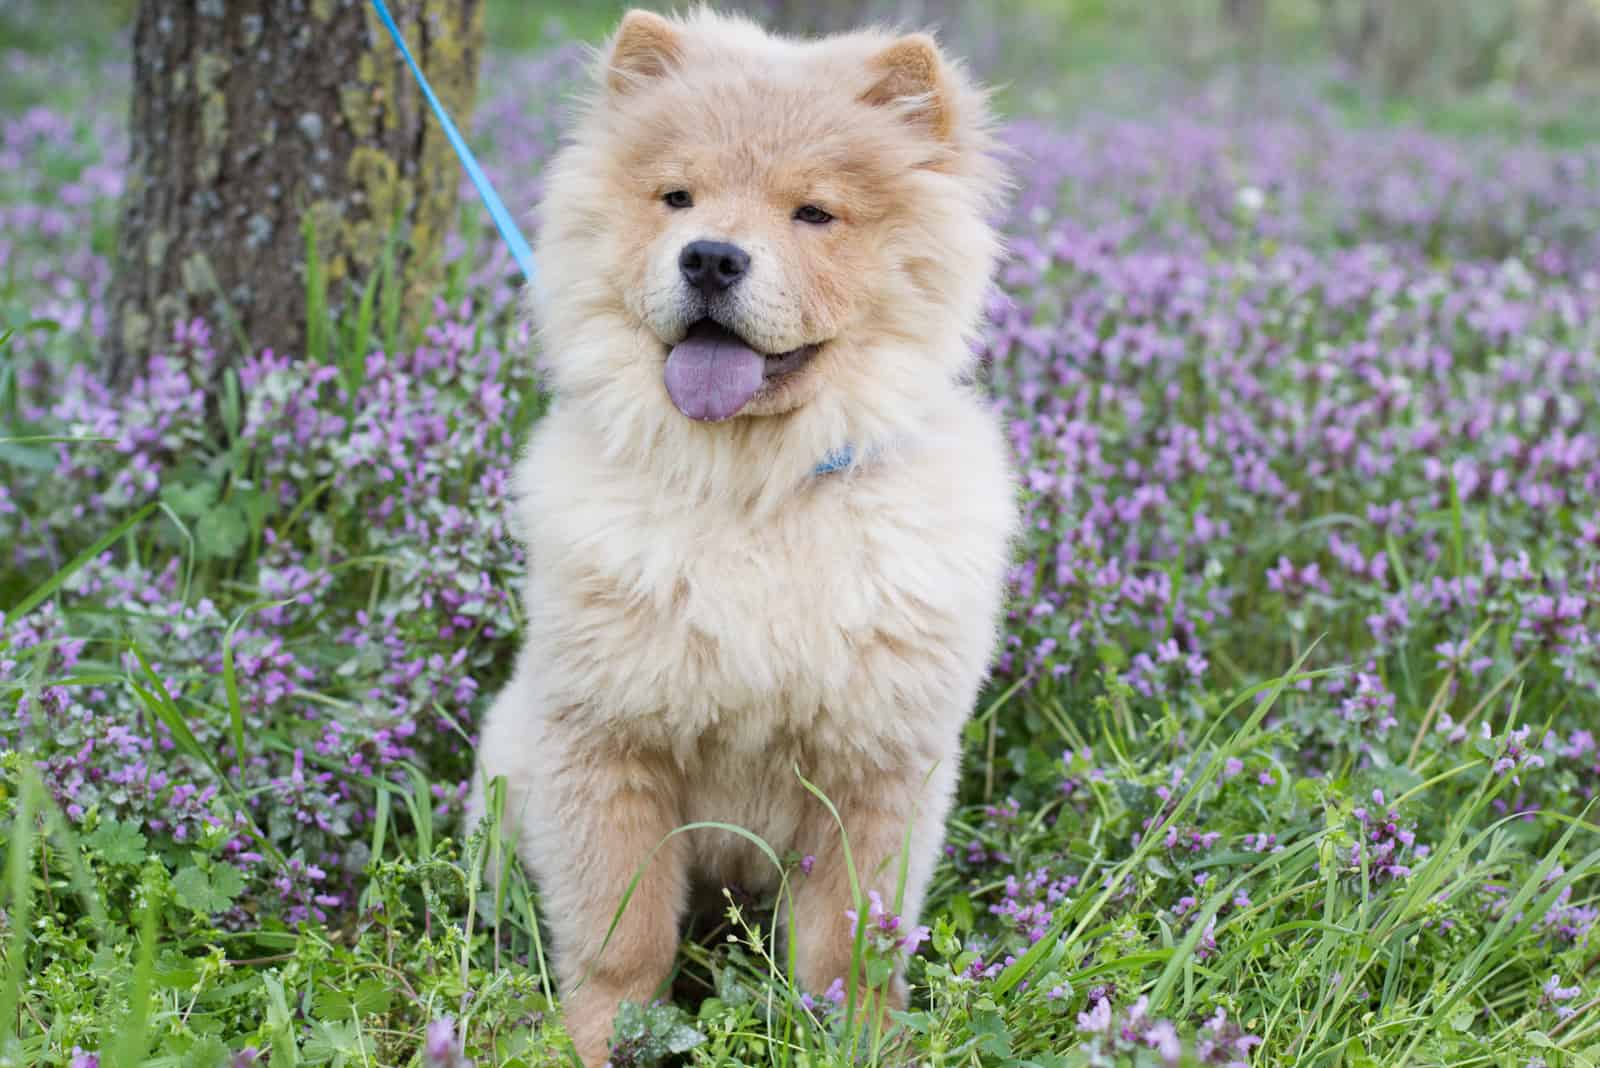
759	254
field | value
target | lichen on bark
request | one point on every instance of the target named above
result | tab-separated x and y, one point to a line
248	118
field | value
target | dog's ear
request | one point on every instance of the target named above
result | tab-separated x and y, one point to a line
910	75
644	48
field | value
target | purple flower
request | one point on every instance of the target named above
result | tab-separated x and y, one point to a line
884	928
1097	1019
1552	994
441	1048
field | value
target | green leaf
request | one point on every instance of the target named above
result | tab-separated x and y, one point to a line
15	452
221	532
280	1025
731	989
256	506
226	881
683	1038
118	842
370	997
336	1042
993	1037
190	499
878	972
193	889
176	973
207	1053
207	893
1111	655
961	912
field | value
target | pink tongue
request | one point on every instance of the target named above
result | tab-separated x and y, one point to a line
711	374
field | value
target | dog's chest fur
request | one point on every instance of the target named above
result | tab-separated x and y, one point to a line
853	622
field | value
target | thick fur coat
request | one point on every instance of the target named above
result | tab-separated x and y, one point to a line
705	614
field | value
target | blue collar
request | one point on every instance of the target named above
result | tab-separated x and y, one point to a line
837	460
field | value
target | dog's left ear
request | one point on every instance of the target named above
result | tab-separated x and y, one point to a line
643	49
910	74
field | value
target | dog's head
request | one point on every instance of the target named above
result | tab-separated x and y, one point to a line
763	215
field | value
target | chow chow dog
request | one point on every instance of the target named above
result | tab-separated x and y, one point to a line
767	516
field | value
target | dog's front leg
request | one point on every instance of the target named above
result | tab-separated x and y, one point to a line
611	813
875	814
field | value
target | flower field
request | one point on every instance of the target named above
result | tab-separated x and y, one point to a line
1288	758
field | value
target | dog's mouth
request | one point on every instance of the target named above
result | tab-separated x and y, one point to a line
713	373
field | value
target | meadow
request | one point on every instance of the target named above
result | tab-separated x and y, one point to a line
1289	756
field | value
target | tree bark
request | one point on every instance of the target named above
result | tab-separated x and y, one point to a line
1244	16
1356	46
256	120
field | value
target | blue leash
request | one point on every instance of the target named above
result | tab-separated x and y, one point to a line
837	460
491	200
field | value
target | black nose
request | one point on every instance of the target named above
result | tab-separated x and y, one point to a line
713	266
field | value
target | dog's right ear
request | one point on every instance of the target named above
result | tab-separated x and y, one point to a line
644	48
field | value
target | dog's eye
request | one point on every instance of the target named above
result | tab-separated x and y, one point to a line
810	213
679	198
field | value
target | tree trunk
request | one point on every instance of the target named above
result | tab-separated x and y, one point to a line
257	124
1369	32
1244	16
1246	24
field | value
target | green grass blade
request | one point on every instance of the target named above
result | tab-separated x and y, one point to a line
54	582
133	1036
1024	964
19	898
316	293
